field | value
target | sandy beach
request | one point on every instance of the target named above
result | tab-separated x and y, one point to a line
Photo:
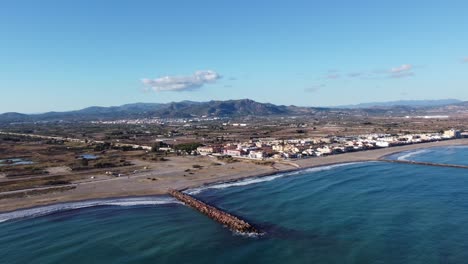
179	173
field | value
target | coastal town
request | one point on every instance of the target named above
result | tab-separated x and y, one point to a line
270	148
277	149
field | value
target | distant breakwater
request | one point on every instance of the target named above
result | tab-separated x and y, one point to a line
426	163
233	222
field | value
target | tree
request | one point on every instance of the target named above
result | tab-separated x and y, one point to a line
156	146
187	147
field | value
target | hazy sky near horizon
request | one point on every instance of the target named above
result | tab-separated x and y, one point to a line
65	55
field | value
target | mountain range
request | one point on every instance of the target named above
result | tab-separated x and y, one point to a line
237	108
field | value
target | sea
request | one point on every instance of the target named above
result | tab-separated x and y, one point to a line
369	212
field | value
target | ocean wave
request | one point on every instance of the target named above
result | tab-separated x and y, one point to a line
55	208
255	180
406	155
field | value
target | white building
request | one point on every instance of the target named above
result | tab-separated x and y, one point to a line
382	144
452	133
257	154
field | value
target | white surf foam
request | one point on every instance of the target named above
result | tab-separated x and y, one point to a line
249	181
249	235
408	155
50	209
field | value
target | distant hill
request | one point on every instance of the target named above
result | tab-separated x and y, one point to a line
238	108
410	103
86	114
243	107
184	109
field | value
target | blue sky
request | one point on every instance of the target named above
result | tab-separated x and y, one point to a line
64	55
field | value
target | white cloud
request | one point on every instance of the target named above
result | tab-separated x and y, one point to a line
402	71
402	68
401	75
465	60
182	83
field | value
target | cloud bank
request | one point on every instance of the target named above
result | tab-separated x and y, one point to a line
182	83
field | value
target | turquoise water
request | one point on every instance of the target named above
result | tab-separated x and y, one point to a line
354	213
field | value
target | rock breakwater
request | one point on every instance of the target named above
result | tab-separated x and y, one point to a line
233	222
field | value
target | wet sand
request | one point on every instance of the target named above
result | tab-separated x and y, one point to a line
173	174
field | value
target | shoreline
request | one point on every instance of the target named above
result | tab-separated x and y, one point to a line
166	195
90	191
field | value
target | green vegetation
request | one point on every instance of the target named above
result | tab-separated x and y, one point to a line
227	159
22	170
157	145
187	147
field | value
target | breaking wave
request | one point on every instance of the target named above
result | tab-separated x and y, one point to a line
51	209
254	180
407	155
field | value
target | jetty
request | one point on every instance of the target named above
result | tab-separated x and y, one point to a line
232	222
426	163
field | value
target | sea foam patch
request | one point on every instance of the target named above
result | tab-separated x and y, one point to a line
406	155
255	180
51	209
